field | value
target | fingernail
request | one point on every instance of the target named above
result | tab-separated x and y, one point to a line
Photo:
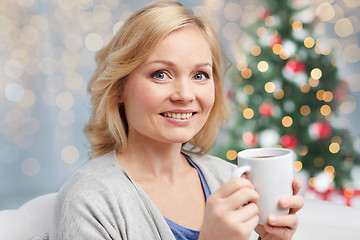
272	220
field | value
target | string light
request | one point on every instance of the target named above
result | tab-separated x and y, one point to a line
329	170
325	110
231	155
246	73
327	96
256	50
248	113
261	31
305	88
309	42
297	26
263	66
277	49
269	87
316	73
304	150
320	94
287	121
279	94
334	147
305	110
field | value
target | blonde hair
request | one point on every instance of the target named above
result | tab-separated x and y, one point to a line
133	43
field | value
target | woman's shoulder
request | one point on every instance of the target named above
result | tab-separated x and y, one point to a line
95	178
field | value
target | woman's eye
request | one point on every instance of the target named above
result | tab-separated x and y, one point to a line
201	76
158	75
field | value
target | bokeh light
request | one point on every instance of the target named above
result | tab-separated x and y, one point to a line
270	87
305	110
344	27
263	66
14	92
94	42
70	154
231	155
287	121
246	73
316	73
248	113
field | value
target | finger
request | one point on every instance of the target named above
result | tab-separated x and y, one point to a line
279	232
294	203
245	213
296	186
253	222
287	221
232	186
241	197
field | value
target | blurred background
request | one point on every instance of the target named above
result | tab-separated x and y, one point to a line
47	53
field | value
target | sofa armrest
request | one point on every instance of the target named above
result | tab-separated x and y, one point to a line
30	220
327	220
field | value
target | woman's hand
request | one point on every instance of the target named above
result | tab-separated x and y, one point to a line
231	211
283	227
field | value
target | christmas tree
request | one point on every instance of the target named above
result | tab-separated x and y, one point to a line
286	92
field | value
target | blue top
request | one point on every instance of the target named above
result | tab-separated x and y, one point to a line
183	233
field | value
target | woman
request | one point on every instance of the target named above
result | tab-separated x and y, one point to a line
158	103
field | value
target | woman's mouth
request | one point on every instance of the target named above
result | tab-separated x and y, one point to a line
179	116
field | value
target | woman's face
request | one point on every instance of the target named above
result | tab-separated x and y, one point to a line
168	97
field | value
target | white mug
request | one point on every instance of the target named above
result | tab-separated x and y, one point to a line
271	170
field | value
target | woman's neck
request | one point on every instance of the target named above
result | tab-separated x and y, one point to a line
151	159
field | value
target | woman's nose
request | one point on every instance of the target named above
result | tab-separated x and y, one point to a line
183	91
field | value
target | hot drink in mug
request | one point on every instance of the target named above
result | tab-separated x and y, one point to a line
271	172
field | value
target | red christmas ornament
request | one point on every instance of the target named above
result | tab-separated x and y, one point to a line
263	12
320	130
266	109
295	66
275	40
289	141
250	139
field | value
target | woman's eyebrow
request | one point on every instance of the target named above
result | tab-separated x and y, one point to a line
169	63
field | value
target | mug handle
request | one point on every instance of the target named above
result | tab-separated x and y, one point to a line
240	171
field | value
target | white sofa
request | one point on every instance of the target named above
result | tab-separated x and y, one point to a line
318	220
30	220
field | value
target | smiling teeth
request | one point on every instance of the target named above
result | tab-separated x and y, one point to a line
178	115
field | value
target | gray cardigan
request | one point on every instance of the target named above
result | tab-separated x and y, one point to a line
100	201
